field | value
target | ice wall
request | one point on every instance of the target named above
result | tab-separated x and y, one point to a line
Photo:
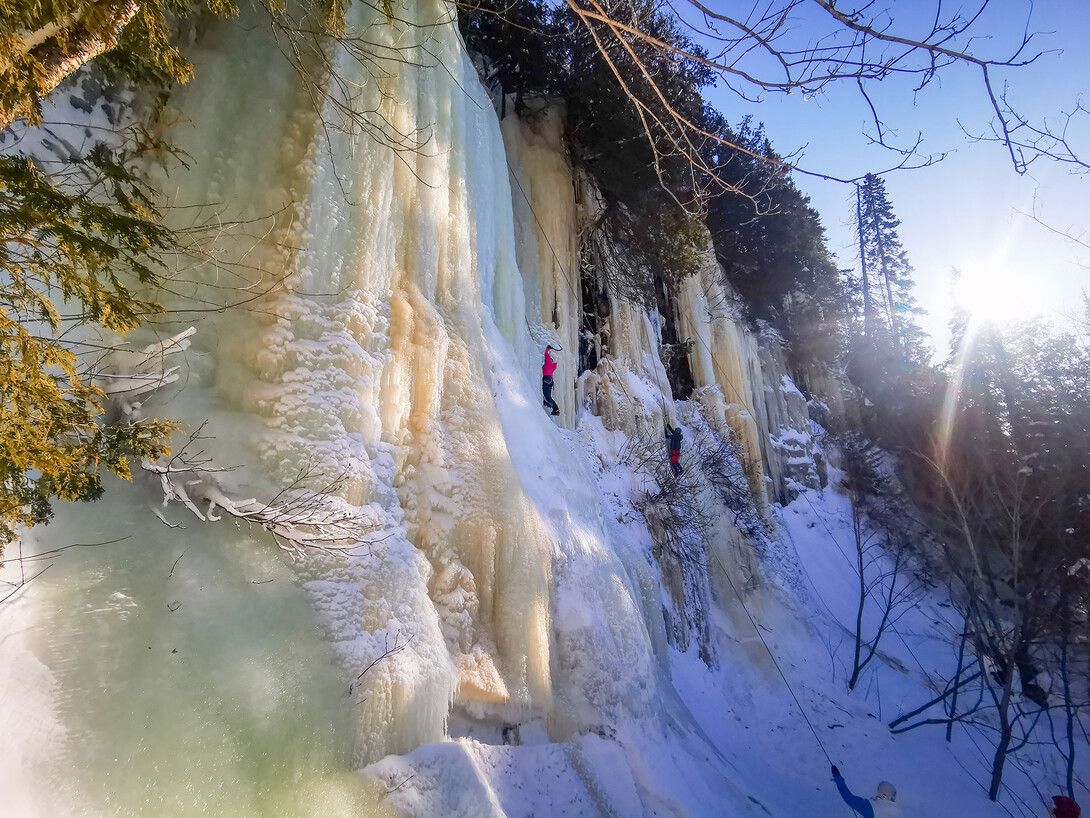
789	453
361	333
401	316
175	663
743	390
547	238
741	374
743	383
371	330
396	358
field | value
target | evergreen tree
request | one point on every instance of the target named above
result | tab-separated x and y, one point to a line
43	43
644	235
889	308
520	43
632	148
72	247
768	239
1005	488
771	246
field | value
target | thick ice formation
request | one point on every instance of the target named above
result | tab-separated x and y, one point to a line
400	326
397	357
394	362
547	239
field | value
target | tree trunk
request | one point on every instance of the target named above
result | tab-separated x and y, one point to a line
64	53
889	290
1069	709
1006	729
868	308
968	680
957	681
857	527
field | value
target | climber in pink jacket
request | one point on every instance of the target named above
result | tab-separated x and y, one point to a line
547	370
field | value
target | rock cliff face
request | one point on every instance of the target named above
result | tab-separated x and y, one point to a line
738	371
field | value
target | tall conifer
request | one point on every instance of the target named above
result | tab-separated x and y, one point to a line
889	305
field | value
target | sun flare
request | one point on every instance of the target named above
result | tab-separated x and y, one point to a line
997	295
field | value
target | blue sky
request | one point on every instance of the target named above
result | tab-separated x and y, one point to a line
964	211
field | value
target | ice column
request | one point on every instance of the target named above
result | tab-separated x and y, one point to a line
547	239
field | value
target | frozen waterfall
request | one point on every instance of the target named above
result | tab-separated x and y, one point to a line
175	667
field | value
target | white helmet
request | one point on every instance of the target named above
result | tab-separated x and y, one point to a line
887	791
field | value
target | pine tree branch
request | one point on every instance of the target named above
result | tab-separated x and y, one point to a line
68	48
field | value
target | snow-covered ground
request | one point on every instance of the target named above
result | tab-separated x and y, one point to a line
737	737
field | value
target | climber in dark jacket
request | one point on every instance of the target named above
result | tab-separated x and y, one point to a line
547	370
1064	807
674	437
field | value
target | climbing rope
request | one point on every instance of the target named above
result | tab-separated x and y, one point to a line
541	228
719	369
737	394
923	670
563	270
771	655
742	601
844	554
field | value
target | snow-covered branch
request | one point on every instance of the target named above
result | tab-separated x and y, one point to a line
125	375
298	518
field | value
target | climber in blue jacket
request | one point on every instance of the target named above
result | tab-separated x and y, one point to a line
886	797
859	805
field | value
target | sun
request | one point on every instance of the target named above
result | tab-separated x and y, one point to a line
998	295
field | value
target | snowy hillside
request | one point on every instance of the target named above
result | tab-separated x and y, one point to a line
502	613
